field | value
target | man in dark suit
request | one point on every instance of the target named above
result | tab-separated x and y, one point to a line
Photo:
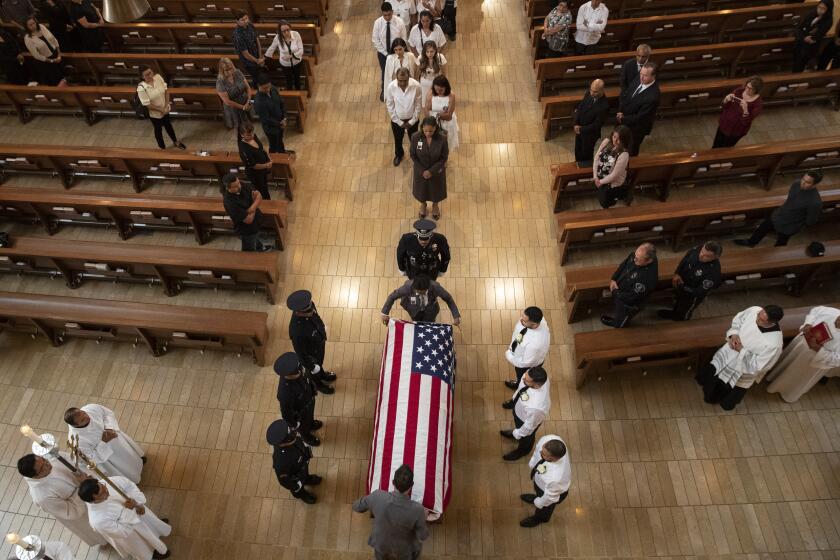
631	68
589	118
638	104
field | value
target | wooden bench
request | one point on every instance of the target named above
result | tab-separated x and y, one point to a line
662	171
705	96
675	222
173	268
92	102
138	165
587	289
743	24
726	60
159	327
662	344
128	213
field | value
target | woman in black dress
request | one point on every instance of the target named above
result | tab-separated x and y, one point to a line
256	160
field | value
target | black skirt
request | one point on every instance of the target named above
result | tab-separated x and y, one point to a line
48	74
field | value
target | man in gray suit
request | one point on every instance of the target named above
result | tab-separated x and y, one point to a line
399	523
419	298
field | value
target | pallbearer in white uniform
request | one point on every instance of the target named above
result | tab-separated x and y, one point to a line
102	441
551	472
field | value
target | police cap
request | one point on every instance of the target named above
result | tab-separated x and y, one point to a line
424	228
286	364
277	432
299	300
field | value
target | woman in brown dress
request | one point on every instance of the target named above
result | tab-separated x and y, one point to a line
429	152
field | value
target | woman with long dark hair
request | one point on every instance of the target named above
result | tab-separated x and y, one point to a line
46	53
429	152
610	166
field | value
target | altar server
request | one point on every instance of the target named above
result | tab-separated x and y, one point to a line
101	439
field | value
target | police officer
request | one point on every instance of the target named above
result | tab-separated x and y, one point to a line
697	274
291	460
309	338
296	393
423	252
632	284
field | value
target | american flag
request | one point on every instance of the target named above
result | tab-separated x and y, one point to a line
413	423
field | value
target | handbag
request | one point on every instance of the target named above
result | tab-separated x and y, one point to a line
140	110
446	26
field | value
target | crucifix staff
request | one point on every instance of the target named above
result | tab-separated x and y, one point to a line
77	455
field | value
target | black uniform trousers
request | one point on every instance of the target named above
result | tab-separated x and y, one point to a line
684	305
526	444
544	514
716	391
585	148
763	229
450	12
623	312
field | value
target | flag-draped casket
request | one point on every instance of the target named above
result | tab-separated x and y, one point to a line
413	423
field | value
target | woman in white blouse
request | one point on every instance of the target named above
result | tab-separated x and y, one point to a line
154	95
44	48
610	167
399	58
289	47
430	65
425	30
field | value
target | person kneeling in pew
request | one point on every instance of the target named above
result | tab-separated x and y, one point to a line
243	206
697	274
632	284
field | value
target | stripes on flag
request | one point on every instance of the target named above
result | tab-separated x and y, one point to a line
413	422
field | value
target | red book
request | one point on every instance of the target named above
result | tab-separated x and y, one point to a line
821	333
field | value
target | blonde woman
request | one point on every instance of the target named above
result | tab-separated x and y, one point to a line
235	93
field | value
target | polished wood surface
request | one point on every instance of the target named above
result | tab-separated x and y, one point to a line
656	472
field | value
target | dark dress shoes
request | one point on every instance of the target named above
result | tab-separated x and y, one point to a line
507	433
313	441
529	522
328	376
397	161
514	455
507	405
157	555
607	320
528	498
313	480
511	383
326	389
305	497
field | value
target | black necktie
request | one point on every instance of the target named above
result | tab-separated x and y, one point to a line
534	470
516	342
635	93
519	393
388	37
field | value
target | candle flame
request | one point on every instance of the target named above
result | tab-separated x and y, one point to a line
27	431
13	538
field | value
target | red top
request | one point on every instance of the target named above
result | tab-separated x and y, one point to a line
732	119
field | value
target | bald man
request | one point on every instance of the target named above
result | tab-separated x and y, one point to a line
589	117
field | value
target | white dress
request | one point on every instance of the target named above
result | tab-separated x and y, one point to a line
427	77
439	103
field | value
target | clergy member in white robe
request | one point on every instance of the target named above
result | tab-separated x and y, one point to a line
53	488
805	362
129	526
101	439
753	344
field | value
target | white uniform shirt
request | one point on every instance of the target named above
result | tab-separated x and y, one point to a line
404	9
393	63
532	407
380	29
417	37
280	45
403	105
590	33
532	349
553	477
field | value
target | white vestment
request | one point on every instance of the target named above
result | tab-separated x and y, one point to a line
132	535
800	368
58	550
119	457
56	495
760	351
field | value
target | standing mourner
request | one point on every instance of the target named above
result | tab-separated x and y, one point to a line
57	18
556	29
423	251
638	106
153	94
609	171
802	207
632	67
402	99
740	108
400	57
246	43
810	357
46	52
235	93
429	151
386	28
426	30
431	63
101	439
256	160
406	10
632	284
296	394
419	298
272	114
242	204
89	22
12	61
309	338
697	274
290	459
440	104
289	47
551	471
399	524
528	344
809	35
590	115
450	13
530	406
591	21
753	344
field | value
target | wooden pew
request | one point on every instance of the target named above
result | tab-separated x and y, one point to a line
675	222
726	60
92	102
743	24
188	70
705	96
587	289
158	327
138	165
128	213
662	344
662	171
173	269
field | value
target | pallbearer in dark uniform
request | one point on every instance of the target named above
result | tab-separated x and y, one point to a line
423	252
296	393
697	274
291	460
309	338
632	284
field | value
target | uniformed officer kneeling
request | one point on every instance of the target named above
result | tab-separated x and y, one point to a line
632	284
291	460
423	252
296	393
